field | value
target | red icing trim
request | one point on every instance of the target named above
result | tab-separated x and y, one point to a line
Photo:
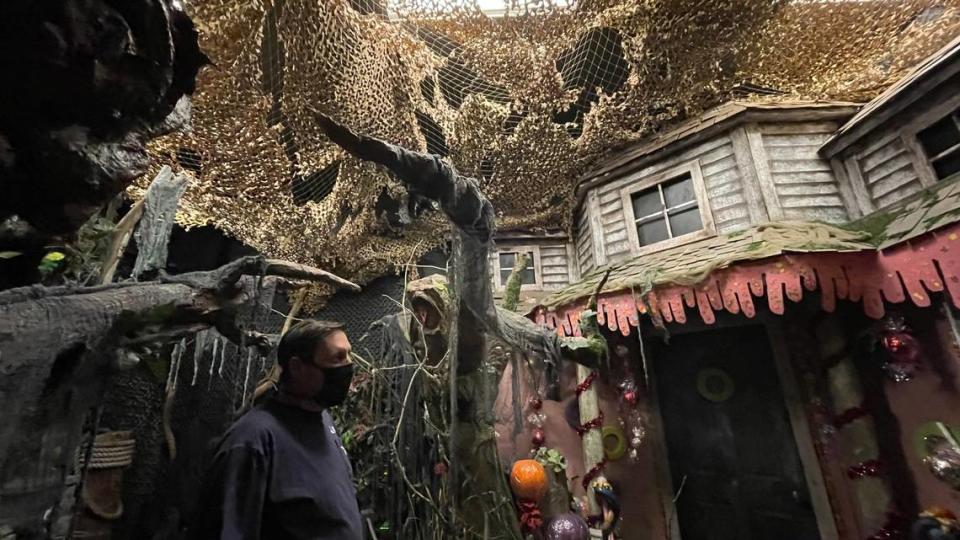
912	270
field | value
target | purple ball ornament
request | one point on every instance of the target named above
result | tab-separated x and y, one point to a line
566	527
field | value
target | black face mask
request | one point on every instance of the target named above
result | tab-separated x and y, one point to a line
336	384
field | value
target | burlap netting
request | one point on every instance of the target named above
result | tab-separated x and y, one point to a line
524	102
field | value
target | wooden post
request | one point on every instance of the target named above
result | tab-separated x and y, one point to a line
592	439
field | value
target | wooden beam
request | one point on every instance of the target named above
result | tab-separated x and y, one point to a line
759	157
748	173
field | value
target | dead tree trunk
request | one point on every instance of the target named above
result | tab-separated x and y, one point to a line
473	216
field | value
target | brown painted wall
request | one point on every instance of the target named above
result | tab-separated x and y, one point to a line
634	481
933	394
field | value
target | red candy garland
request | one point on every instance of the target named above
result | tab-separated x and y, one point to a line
597	422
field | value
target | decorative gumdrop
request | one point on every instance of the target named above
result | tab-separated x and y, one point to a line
566	527
528	480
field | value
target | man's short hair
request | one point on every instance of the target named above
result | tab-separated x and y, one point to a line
302	339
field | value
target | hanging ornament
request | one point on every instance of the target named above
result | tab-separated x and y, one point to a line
614	442
568	526
902	358
538	437
628	392
536	403
537	419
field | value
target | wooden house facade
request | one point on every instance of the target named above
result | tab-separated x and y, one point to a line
782	292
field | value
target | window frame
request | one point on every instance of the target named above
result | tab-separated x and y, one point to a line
703	204
520	248
953	114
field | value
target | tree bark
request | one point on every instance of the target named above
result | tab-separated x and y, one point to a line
473	216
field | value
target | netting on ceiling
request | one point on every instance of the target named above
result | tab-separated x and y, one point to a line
522	97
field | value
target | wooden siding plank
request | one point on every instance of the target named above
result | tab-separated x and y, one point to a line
791	140
828	214
793	151
798	165
880	155
725	188
718	154
897	178
818	177
795	127
720	166
898	194
899	163
730	175
811	201
789	190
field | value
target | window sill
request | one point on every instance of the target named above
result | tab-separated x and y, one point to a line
677	241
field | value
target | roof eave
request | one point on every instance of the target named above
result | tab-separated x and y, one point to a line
936	70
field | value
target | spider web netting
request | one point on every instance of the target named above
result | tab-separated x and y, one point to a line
524	99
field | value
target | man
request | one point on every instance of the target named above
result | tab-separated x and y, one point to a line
281	472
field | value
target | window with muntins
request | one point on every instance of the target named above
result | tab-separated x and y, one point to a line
666	210
508	259
941	143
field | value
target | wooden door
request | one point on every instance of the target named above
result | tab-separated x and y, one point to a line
729	440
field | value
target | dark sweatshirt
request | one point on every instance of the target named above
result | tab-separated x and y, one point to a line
280	472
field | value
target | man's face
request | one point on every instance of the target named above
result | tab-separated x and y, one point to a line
332	352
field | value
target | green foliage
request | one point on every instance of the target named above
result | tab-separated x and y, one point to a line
79	262
551	458
51	262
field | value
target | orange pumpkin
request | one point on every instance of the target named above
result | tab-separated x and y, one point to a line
528	480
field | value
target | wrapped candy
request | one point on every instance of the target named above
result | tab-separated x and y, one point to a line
903	351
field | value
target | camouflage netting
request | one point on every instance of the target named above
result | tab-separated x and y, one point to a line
524	101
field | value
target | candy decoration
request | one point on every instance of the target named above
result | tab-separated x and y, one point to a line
528	480
614	442
539	437
903	352
531	518
566	527
870	467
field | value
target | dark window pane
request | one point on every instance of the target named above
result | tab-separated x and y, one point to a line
679	191
507	262
646	202
686	221
939	137
652	232
947	165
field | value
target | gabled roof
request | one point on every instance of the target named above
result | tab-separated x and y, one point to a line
690	264
923	78
714	121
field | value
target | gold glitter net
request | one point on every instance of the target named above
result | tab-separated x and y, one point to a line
524	101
